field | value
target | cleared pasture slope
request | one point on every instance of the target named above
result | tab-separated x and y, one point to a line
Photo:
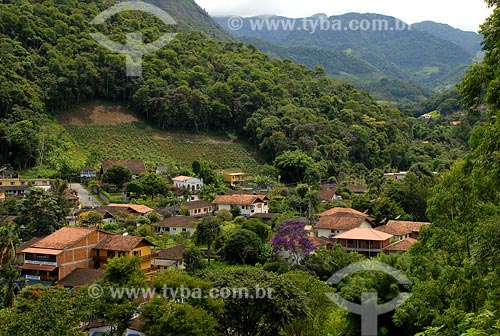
115	133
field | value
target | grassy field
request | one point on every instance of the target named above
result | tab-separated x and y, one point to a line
116	134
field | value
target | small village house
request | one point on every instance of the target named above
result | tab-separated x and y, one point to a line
249	204
17	186
119	246
192	184
137	167
112	211
88	173
400	246
171	258
366	241
403	229
395	176
233	176
339	220
176	224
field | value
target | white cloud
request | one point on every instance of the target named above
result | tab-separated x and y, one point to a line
467	15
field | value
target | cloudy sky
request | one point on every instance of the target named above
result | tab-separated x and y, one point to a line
463	14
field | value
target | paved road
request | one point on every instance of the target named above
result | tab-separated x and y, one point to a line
86	199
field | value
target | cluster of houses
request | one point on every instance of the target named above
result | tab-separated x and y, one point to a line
355	231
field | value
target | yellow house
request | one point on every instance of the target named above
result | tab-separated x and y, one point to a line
119	246
17	186
233	176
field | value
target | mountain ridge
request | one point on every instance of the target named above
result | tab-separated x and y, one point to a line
418	55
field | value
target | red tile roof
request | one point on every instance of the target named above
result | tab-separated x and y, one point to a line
321	241
135	166
27	244
326	195
173	253
240	199
121	243
336	210
197	204
181	178
139	208
81	277
63	238
401	228
177	221
401	245
364	234
341	221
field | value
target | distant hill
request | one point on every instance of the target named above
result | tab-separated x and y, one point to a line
428	54
468	40
190	17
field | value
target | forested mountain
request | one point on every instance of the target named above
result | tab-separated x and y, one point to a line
189	16
470	41
428	54
49	62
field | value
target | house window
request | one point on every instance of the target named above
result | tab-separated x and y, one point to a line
111	254
184	229
12	183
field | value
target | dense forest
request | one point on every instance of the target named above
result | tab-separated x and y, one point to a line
49	62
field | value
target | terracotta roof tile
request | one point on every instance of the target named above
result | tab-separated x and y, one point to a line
321	241
173	253
364	234
81	277
177	221
197	204
63	238
27	244
336	210
326	195
139	208
401	245
341	221
135	166
401	228
121	243
181	178
239	199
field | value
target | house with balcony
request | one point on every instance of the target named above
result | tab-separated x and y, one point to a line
17	186
366	241
233	176
54	257
339	220
248	204
119	246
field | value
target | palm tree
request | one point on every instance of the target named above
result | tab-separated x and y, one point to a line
8	275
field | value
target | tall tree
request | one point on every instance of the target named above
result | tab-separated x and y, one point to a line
207	232
40	214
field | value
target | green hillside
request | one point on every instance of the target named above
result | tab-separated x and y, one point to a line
108	131
306	124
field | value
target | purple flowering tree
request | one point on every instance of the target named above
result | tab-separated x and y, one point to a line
291	236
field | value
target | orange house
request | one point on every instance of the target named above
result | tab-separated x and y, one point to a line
57	255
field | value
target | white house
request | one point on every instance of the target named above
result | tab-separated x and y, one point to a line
187	182
249	204
339	220
176	224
